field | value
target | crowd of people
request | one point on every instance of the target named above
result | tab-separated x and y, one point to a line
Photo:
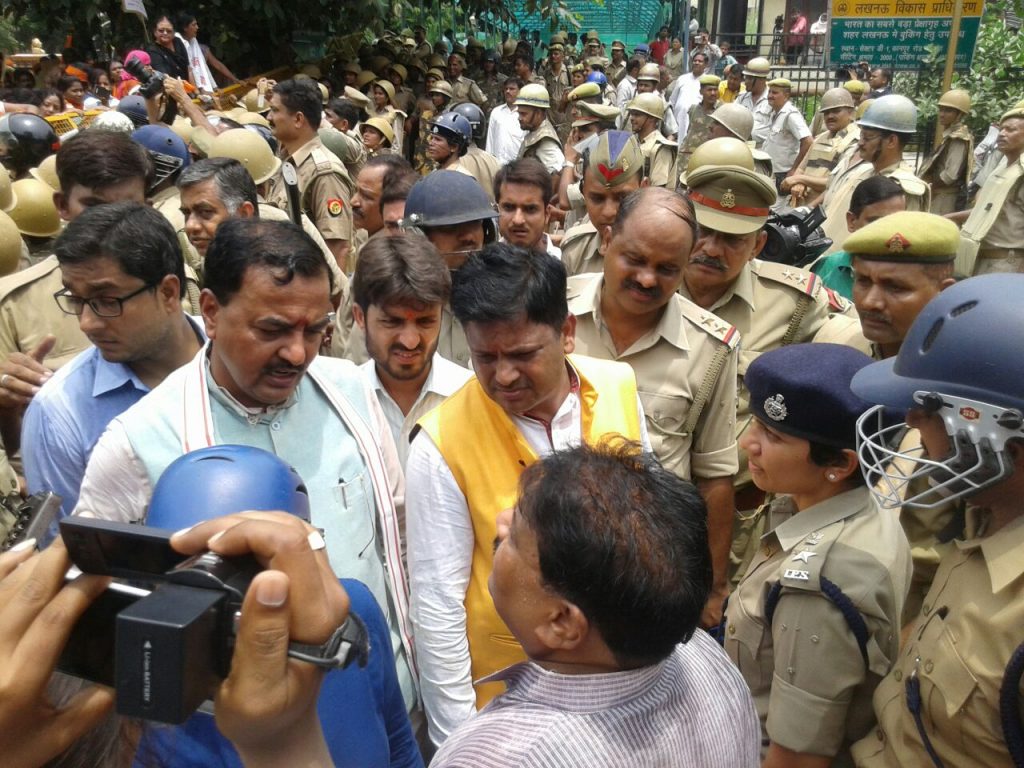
558	425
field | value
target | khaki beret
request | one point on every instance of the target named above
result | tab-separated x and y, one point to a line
856	86
709	80
909	236
590	113
780	82
584	91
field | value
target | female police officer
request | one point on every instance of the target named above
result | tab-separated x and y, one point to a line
814	625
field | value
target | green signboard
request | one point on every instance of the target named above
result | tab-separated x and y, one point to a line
897	33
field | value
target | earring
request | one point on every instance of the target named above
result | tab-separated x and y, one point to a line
832	476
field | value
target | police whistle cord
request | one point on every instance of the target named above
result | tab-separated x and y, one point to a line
913	687
1009	707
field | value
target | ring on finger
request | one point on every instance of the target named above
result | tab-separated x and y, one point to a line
3	380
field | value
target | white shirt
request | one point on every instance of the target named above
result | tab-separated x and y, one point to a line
504	134
549	247
439	534
762	112
197	65
626	90
785	131
444	379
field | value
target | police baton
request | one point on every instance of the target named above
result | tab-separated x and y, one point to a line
291	183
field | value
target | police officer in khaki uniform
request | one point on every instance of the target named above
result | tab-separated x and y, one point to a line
839	138
556	80
646	111
914	251
36	217
684	358
772	305
612	169
953	696
616	68
541	140
814	625
324	185
886	127
948	168
992	238
463	89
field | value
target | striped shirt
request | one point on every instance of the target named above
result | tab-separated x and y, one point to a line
692	709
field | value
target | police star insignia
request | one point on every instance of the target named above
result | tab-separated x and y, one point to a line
775	408
804	556
728	199
897	243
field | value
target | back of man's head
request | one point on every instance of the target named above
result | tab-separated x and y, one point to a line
102	159
503	283
232	181
876	189
405	270
301	96
624	540
135	236
278	246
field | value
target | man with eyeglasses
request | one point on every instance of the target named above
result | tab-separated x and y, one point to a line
36	338
259	381
123	278
887	126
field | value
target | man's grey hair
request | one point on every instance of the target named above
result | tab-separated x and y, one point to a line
234	184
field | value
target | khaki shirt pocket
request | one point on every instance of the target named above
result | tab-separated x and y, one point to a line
666	415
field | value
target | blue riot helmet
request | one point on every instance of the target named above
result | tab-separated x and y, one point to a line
222	480
447	198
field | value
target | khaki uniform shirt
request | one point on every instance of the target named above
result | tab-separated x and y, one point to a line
465	89
671	364
558	86
762	304
493	88
579	247
324	189
28	314
452	344
660	155
839	191
353	157
948	170
615	72
826	151
544	144
805	670
482	166
958	649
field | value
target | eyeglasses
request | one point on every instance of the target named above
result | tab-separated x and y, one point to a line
102	306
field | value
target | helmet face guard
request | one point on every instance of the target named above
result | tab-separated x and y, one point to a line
165	166
903	475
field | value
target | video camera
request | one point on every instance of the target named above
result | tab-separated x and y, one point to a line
151	84
795	238
162	635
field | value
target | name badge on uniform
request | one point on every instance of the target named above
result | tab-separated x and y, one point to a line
799	575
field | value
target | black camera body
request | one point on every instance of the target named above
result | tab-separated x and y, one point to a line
163	633
151	84
795	239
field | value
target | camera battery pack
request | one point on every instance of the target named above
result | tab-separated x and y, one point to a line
167	653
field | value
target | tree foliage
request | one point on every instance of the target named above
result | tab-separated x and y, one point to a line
255	35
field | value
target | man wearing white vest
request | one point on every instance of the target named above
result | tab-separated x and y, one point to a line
530	397
259	382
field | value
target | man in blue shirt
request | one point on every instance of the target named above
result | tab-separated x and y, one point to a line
123	277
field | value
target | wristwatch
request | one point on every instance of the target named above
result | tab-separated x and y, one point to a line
349	642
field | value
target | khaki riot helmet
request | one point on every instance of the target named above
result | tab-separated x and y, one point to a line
10	245
719	152
46	171
35	214
533	95
758	66
7	197
738	120
365	77
650	72
442	87
508	47
649	104
958	99
248	148
382	125
836	98
893	113
388	87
